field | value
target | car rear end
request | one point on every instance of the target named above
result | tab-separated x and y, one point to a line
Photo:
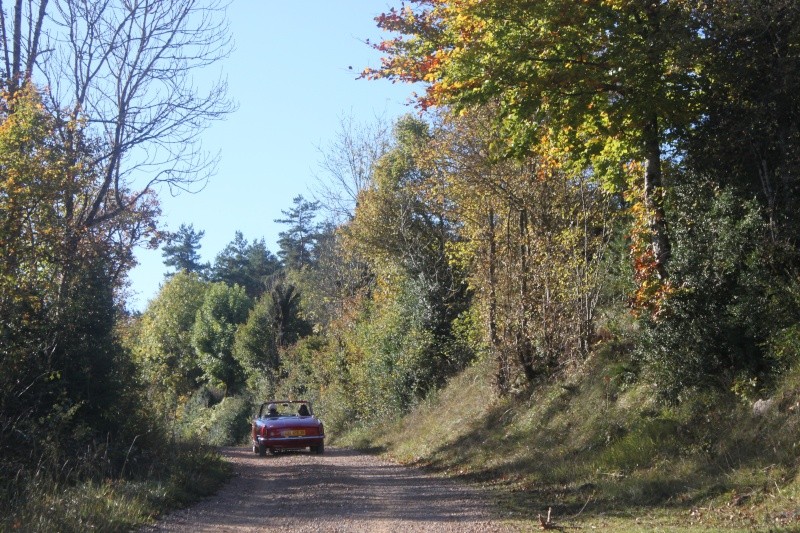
288	433
293	434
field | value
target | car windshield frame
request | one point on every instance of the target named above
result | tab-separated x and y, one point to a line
284	410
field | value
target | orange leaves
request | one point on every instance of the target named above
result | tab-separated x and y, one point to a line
651	290
418	54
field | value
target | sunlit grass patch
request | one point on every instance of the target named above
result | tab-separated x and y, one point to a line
599	451
106	507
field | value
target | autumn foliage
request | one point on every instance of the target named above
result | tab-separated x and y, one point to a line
633	99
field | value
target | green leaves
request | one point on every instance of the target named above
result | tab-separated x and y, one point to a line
218	317
164	348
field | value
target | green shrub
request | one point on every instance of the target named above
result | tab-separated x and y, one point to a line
712	328
229	422
216	422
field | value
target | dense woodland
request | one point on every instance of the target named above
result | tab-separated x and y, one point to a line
616	176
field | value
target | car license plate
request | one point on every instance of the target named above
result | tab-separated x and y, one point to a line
294	433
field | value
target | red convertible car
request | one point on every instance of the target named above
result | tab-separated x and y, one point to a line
287	425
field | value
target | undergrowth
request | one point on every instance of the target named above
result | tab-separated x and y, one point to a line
598	450
179	476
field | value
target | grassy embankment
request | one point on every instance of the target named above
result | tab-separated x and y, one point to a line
187	474
599	451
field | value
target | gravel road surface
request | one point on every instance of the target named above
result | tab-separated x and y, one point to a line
340	491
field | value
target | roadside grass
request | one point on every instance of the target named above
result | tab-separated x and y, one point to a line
597	450
185	474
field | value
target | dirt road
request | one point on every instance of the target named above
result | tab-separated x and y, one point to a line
340	491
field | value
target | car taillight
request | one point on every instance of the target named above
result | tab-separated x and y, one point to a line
263	431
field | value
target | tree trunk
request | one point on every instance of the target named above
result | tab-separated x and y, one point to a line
501	378
16	48
654	198
524	349
18	39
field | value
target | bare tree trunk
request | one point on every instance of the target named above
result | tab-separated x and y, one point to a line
33	53
588	290
19	41
16	48
501	377
524	349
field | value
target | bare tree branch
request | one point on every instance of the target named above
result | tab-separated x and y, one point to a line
122	79
127	70
347	164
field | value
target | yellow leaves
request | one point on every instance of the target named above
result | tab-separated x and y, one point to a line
651	291
615	4
35	183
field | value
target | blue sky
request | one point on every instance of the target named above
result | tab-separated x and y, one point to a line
290	75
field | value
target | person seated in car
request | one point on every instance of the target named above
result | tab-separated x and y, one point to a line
272	410
303	411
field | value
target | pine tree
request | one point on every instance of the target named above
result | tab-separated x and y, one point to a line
297	242
181	251
245	264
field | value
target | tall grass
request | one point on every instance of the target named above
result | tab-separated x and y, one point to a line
50	501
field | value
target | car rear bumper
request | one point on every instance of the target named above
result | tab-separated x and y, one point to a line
290	443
